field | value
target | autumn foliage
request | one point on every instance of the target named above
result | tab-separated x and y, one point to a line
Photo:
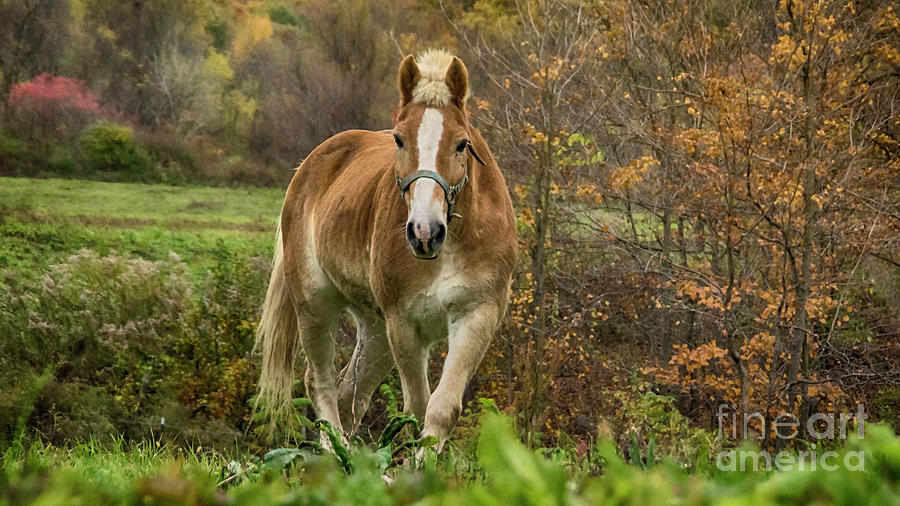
715	182
51	92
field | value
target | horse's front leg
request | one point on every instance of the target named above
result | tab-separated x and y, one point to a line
469	336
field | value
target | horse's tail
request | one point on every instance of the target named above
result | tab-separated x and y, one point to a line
278	336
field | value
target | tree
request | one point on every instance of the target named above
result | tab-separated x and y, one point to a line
33	36
538	57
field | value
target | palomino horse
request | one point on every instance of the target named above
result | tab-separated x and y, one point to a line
412	232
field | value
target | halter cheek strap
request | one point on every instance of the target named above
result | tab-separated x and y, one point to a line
450	192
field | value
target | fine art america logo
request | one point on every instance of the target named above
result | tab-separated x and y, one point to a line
819	427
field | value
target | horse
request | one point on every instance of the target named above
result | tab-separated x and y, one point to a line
411	231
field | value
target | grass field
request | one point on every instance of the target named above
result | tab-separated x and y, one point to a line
44	220
178	207
90	459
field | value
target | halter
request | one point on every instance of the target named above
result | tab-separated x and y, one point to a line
450	192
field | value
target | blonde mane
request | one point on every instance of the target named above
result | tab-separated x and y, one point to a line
432	89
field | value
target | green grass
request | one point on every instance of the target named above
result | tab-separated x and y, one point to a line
500	472
143	204
43	221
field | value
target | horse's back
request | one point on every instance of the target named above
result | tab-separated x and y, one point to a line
335	156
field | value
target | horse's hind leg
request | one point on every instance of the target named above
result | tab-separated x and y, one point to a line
317	324
370	364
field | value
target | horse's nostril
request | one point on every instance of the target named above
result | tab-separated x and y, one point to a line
410	234
441	232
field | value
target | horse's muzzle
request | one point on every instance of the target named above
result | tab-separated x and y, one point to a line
425	239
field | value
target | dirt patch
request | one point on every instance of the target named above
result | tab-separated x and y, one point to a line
204	206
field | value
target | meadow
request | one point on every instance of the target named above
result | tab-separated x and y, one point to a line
172	277
46	220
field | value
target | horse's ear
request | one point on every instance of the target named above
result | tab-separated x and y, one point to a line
407	78
457	80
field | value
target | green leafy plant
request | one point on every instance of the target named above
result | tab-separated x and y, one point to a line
108	147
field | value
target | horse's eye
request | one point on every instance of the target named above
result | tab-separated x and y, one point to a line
461	146
399	141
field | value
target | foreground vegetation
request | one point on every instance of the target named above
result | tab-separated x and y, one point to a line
500	471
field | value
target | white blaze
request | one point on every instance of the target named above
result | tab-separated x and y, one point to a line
422	208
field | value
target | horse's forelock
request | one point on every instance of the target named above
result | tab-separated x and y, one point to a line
432	89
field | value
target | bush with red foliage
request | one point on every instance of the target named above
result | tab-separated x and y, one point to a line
48	105
47	91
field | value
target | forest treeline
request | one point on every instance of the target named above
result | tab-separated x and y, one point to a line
210	91
707	193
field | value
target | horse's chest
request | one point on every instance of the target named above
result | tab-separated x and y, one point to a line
445	297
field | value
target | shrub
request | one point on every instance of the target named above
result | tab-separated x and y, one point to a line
129	341
47	91
174	159
10	153
9	146
109	147
223	338
100	326
62	161
51	107
111	304
648	422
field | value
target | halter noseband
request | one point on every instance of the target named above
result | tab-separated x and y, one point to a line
450	192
